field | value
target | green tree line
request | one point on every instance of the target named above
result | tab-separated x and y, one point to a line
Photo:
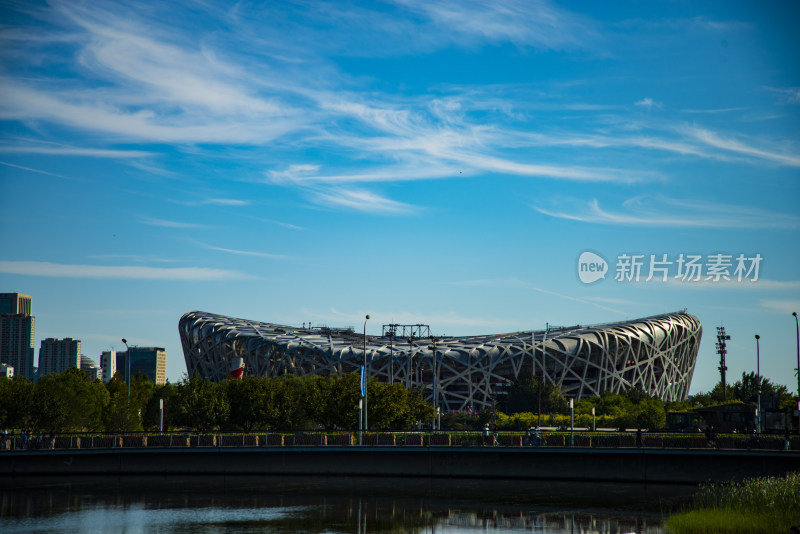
70	402
526	398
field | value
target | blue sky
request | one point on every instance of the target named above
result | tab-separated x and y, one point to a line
442	162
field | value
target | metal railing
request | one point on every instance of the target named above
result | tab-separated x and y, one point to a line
264	439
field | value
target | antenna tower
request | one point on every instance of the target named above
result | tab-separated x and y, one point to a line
722	350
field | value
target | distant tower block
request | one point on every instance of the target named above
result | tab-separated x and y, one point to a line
722	350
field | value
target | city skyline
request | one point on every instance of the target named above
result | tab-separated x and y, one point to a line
446	163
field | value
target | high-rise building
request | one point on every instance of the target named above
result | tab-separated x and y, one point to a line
16	303
58	355
17	328
108	363
90	367
150	361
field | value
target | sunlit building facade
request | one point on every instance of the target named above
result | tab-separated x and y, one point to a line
656	353
17	329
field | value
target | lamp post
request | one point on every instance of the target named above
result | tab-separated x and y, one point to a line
797	326
409	374
435	382
758	385
128	360
365	373
571	422
390	335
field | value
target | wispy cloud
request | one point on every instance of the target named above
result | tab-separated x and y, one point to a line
37	171
74	151
248	253
538	24
225	202
668	212
56	270
713	111
517	283
139	258
733	284
169	224
781	305
360	200
649	104
788	95
738	146
281	223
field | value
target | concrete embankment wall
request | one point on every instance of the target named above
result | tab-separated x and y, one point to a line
606	465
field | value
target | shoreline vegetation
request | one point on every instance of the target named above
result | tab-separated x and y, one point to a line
755	505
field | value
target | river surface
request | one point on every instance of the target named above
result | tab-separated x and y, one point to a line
193	505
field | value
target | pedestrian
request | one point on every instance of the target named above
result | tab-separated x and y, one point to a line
786	439
537	436
531	436
639	441
711	436
485	434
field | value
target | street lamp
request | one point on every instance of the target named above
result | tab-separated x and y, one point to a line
758	384
390	335
435	382
410	373
365	373
797	326
128	359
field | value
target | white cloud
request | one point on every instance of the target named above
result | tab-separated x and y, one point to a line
37	171
73	151
169	224
789	95
56	270
740	147
248	253
539	24
783	306
361	200
648	103
668	212
226	202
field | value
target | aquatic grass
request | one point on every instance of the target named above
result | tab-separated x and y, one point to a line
767	504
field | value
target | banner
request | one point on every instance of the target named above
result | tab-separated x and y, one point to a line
363	381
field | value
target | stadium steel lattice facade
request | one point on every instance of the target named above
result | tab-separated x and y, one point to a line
657	353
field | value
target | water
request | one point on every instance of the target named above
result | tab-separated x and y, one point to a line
320	505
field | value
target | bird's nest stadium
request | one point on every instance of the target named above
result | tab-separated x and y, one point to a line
657	353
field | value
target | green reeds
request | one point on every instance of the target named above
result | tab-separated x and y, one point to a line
769	504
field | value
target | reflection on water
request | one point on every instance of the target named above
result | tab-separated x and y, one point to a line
199	505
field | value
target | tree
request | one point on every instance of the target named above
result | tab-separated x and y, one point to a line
16	402
120	415
151	417
341	408
523	396
69	401
202	404
248	401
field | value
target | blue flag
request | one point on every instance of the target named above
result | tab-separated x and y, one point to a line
363	381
